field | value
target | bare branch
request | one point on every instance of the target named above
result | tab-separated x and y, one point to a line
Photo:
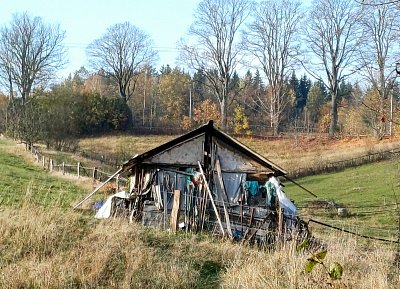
215	48
121	53
31	52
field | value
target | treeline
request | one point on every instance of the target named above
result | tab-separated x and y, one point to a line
173	100
241	68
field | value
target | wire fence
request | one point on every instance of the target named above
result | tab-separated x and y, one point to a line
77	169
343	164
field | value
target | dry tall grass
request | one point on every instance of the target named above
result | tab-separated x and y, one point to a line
50	248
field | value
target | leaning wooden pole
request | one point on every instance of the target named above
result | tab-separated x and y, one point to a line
225	199
211	199
98	188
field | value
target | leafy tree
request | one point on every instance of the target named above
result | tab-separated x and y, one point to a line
240	122
205	111
120	54
174	89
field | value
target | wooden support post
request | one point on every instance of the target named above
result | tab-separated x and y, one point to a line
280	222
175	211
78	169
51	165
211	199
63	168
43	161
165	205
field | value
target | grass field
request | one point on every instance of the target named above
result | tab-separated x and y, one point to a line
369	193
46	244
21	181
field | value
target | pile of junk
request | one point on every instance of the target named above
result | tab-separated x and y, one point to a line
206	180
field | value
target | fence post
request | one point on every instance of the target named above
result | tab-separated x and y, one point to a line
94	173
43	161
117	182
79	169
51	164
63	168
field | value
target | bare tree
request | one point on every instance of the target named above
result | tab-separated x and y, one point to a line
120	54
332	36
30	53
379	56
380	2
215	48
272	40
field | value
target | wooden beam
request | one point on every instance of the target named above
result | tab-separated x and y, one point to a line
98	188
211	199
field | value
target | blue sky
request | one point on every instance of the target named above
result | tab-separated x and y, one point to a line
165	21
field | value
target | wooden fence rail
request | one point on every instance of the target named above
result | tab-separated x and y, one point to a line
343	164
96	174
78	169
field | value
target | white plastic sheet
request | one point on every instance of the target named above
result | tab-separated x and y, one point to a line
288	207
105	211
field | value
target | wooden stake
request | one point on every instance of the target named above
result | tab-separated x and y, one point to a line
175	211
78	170
211	199
280	222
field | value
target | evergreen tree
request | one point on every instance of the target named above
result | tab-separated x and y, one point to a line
302	92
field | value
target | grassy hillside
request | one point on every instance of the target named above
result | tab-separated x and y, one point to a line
45	244
369	193
21	181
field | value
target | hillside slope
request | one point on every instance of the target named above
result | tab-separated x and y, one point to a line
45	244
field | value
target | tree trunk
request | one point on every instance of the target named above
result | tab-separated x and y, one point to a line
224	121
334	115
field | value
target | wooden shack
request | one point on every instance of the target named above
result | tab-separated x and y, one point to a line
207	180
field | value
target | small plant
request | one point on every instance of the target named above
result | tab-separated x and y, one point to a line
335	270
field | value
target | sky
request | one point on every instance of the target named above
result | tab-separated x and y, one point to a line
165	21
